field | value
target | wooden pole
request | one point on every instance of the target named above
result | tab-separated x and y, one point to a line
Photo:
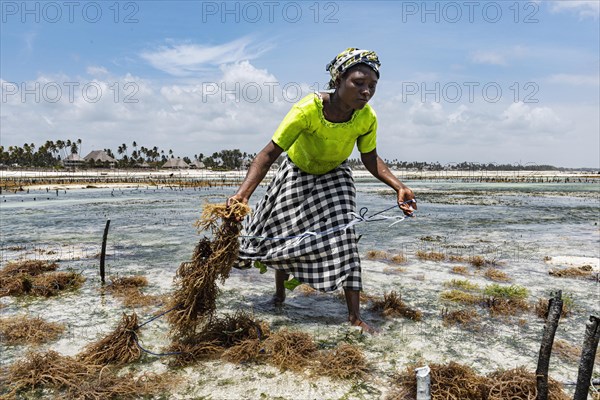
588	355
103	253
555	305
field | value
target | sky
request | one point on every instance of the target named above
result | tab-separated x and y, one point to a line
507	82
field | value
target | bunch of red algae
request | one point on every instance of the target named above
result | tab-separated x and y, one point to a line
456	381
519	384
466	317
65	377
218	335
193	301
127	289
51	284
290	350
16	276
448	382
431	255
118	347
344	362
392	306
21	330
385	256
495	274
541	307
584	271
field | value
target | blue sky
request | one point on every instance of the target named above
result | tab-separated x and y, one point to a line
483	81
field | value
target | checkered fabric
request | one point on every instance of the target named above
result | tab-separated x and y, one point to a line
297	202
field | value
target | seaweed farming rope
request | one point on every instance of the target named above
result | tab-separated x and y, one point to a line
359	217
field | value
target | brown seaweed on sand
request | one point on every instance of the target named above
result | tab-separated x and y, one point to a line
118	347
344	362
127	289
217	335
289	350
66	377
519	384
392	306
17	276
51	284
452	381
457	381
20	329
196	281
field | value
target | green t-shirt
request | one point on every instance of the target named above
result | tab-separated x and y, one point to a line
316	145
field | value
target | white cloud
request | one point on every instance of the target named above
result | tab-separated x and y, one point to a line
540	120
185	59
429	114
583	8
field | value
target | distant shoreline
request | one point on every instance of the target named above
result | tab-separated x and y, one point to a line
44	179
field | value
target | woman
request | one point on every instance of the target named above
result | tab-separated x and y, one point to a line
313	189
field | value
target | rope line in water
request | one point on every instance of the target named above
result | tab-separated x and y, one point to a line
359	217
137	342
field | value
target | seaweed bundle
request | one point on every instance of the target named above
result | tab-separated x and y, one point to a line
196	282
457	381
66	377
289	350
119	347
519	384
344	362
19	330
16	277
218	335
128	290
392	306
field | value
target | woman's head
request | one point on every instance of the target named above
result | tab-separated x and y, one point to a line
348	60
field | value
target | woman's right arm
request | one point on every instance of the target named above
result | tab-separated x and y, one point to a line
257	171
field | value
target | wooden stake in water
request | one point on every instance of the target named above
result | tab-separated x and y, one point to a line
555	305
588	354
103	253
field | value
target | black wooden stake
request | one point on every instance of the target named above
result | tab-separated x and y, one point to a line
103	253
555	305
588	354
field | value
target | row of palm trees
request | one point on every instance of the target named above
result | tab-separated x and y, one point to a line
51	153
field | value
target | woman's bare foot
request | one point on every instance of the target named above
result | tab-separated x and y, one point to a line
366	328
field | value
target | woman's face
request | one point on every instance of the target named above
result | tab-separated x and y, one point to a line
357	86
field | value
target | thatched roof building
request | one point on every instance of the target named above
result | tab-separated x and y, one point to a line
176	163
73	160
100	156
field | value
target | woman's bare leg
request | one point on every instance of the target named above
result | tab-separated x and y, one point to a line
280	278
353	303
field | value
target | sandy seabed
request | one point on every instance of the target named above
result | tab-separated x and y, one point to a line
151	236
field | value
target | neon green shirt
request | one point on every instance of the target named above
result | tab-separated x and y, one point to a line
316	145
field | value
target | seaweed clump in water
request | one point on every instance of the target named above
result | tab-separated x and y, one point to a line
66	377
392	306
196	282
119	347
20	330
457	381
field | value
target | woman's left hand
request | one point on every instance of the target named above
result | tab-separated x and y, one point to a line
407	201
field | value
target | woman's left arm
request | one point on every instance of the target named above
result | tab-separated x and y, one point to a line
378	168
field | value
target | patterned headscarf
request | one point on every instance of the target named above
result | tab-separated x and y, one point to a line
350	57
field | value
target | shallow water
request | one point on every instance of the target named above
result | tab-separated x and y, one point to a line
151	233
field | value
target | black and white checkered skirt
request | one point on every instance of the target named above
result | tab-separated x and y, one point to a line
296	203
